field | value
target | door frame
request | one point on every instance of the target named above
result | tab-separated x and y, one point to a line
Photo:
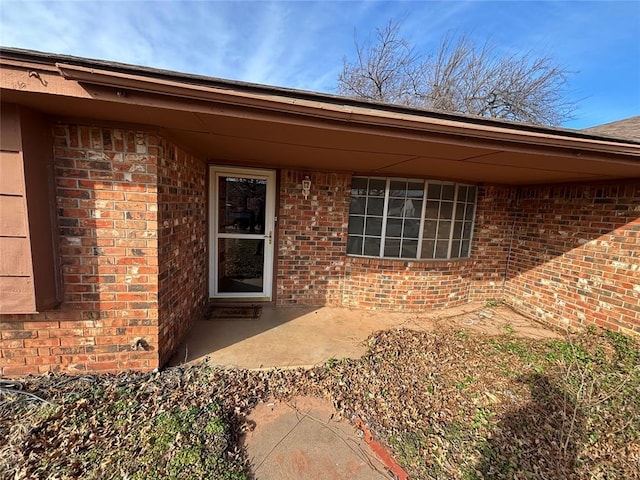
269	232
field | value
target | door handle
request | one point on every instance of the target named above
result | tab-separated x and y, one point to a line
270	236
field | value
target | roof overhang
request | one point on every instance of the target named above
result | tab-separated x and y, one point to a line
245	124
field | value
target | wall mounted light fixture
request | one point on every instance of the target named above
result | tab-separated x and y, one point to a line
306	187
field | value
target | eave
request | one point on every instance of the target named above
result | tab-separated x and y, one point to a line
246	124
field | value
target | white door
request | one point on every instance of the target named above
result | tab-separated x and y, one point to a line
242	218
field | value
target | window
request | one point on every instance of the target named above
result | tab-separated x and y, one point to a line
407	218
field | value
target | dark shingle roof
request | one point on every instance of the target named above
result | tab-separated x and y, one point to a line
628	128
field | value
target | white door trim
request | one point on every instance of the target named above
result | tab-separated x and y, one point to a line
269	231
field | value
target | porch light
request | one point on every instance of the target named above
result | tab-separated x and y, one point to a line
306	187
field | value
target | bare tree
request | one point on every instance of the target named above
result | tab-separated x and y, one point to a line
457	77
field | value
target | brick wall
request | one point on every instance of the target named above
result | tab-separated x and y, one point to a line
107	203
576	255
313	268
312	238
568	255
416	285
182	212
132	219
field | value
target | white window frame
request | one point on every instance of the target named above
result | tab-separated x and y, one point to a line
425	199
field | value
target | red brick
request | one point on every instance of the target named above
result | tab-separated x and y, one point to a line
19	370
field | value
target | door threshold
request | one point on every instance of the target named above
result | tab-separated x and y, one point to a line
241	300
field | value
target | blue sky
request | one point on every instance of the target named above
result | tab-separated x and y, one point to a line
301	44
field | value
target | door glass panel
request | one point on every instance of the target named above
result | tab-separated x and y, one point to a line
240	265
241	205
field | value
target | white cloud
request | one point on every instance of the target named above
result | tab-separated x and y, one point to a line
301	44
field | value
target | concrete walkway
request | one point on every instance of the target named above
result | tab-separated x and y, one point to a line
286	337
303	440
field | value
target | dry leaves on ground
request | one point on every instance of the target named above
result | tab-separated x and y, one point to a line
447	404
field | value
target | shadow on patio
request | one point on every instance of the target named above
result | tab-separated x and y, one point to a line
287	337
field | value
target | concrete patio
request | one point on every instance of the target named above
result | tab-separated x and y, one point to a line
287	337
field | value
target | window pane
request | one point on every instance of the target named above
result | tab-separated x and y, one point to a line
392	248
358	186
374	226
413	208
377	187
356	224
375	206
395	207
415	190
441	249
397	189
444	230
434	191
372	247
394	227
465	248
354	245
455	249
357	205
457	230
466	232
468	214
411	228
409	208
432	209
427	248
443	219
446	210
430	228
462	193
409	248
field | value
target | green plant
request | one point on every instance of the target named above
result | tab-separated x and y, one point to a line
509	330
409	447
482	417
332	362
464	383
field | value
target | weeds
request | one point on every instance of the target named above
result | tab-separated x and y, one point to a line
448	404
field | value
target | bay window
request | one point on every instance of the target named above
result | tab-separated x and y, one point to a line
409	218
